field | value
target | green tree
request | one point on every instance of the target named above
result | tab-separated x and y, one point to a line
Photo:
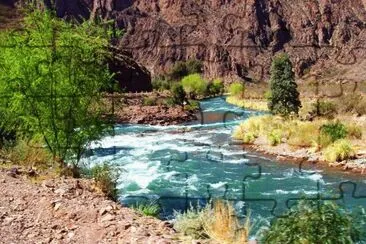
194	85
308	223
284	98
182	69
178	94
51	75
237	89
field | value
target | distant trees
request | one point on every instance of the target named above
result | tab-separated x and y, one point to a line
284	98
51	75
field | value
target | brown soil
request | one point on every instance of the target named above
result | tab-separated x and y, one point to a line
70	211
131	109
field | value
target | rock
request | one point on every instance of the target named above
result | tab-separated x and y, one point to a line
108	217
107	209
57	206
13	172
8	220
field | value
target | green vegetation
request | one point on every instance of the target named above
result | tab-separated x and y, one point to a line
182	69
194	85
54	91
161	83
105	177
148	208
306	223
178	94
254	104
339	151
284	98
324	109
318	135
237	89
353	103
218	223
149	101
214	88
335	130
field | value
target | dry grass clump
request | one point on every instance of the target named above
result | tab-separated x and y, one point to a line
303	133
354	131
28	154
223	225
254	104
339	151
217	223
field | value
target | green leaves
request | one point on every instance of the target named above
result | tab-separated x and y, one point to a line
308	223
284	97
52	74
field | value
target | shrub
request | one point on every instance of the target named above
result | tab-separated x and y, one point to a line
218	223
303	134
216	87
178	94
190	223
249	138
237	89
285	97
149	208
54	91
182	69
324	108
274	137
160	84
354	131
222	224
194	85
305	223
192	105
149	101
339	151
335	130
105	177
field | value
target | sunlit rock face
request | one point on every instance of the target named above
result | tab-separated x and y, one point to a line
235	38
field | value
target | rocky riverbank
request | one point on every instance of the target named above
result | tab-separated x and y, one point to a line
308	158
70	211
150	108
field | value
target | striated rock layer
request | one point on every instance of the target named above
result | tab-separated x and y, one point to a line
235	38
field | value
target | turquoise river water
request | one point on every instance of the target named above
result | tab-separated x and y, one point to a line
185	165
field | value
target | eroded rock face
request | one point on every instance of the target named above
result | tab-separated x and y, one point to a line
237	38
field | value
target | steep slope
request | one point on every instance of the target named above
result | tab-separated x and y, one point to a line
235	38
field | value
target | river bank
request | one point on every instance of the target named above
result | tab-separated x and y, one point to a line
150	108
63	210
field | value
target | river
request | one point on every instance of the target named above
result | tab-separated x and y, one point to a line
185	165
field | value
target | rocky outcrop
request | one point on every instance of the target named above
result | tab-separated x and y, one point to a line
236	38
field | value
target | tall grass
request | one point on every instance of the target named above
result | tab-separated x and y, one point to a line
218	223
339	151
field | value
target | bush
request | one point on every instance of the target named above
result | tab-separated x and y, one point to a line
237	89
178	94
324	108
222	224
249	138
194	85
335	130
339	151
160	84
284	98
105	177
274	137
216	87
149	101
55	91
192	105
218	223
305	223
182	69
353	103
354	131
149	208
190	223
303	134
